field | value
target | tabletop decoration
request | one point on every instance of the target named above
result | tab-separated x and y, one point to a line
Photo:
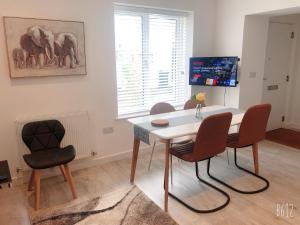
160	123
200	98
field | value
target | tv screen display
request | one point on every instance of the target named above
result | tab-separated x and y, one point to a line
214	71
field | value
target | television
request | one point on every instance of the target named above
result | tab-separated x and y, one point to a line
214	71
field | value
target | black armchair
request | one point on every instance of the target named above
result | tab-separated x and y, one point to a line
43	139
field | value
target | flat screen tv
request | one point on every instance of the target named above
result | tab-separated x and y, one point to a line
214	71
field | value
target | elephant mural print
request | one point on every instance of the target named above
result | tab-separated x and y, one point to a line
42	47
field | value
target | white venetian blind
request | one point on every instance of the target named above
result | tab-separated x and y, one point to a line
150	58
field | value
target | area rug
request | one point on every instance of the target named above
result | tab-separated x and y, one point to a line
128	206
286	137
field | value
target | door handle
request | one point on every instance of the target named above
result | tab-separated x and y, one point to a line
287	78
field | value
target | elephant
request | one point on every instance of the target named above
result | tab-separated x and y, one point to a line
36	42
65	45
19	57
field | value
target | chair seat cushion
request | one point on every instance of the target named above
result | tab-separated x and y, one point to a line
50	158
232	140
182	140
182	151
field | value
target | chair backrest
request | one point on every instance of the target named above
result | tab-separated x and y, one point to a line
254	124
43	135
212	136
161	107
190	104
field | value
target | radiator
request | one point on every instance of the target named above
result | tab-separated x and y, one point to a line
78	133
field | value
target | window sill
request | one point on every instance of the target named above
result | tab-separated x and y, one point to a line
134	115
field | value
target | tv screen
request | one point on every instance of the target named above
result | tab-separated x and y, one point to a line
214	71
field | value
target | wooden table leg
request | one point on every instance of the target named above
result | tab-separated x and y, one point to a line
255	157
136	146
171	169
167	150
37	187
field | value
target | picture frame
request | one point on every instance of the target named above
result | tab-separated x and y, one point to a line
44	47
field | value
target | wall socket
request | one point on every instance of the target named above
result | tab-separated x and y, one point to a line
107	130
94	153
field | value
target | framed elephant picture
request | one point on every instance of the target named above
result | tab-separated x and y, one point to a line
42	47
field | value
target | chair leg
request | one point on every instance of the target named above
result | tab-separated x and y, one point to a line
227	156
70	181
62	169
247	171
31	181
37	187
255	157
149	166
210	185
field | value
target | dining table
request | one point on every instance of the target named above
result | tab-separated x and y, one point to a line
181	123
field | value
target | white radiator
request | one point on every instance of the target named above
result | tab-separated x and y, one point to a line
78	133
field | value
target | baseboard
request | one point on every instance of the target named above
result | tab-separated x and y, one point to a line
82	164
292	126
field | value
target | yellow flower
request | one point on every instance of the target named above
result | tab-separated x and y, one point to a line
201	97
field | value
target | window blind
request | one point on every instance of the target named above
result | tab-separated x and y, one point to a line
150	58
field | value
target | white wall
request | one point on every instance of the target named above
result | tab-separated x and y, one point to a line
95	92
253	60
229	33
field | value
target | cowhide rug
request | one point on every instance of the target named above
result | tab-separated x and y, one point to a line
129	206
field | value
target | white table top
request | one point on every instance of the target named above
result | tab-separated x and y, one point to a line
169	133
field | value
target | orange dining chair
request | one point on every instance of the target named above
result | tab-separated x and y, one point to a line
192	104
252	131
210	141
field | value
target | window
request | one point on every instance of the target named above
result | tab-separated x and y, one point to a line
151	58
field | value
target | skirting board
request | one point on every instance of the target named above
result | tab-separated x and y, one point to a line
292	126
84	164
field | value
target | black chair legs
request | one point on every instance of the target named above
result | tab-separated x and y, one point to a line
219	190
245	170
212	186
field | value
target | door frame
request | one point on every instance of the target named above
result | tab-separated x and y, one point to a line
292	71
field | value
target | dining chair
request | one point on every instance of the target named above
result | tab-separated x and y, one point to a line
192	104
252	131
210	141
43	139
159	108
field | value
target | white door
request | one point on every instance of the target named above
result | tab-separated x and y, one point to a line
276	77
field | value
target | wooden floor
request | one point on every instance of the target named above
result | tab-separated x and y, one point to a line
279	164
